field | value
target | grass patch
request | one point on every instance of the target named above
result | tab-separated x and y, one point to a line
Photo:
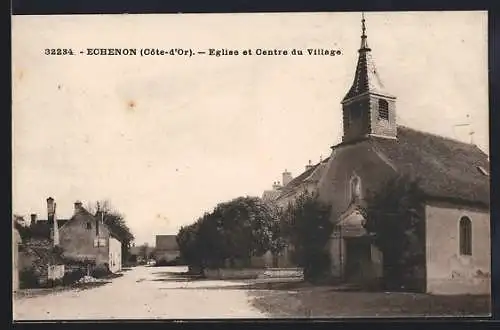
322	302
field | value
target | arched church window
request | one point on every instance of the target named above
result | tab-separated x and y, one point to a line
383	109
465	236
355	188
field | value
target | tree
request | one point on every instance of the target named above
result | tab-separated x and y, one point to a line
187	240
24	231
393	217
234	231
308	228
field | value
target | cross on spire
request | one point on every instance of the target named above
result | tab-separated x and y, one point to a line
363	27
364	42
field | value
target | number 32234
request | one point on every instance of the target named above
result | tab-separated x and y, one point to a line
59	51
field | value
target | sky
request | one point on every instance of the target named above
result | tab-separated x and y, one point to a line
166	138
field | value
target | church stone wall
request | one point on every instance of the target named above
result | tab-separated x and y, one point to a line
334	189
359	159
448	272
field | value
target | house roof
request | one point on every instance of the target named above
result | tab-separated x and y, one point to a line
317	171
444	168
43	250
166	242
310	175
270	195
42	228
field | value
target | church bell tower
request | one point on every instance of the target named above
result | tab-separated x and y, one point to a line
368	109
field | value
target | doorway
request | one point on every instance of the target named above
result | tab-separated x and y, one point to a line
358	259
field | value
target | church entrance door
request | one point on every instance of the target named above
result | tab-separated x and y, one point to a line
358	261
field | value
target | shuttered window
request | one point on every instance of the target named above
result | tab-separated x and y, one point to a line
383	109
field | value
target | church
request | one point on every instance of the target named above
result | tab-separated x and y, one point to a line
452	177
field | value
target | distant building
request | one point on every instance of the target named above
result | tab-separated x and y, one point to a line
283	195
166	249
141	253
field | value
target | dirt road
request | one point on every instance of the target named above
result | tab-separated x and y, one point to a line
142	293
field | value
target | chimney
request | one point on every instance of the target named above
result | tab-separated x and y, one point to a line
78	206
50	209
33	219
99	219
309	166
55	229
276	185
287	177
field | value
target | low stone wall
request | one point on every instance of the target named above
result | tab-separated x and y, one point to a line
233	274
252	273
282	273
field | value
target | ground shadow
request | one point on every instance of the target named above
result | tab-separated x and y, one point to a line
32	293
249	285
166	276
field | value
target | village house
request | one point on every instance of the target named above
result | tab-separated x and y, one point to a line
84	238
16	241
39	260
452	176
282	196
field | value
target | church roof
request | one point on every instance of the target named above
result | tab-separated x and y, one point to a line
366	78
445	168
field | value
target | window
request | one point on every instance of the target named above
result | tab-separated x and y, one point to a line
355	188
465	236
88	225
99	242
383	109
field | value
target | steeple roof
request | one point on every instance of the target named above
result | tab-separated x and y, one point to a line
366	78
